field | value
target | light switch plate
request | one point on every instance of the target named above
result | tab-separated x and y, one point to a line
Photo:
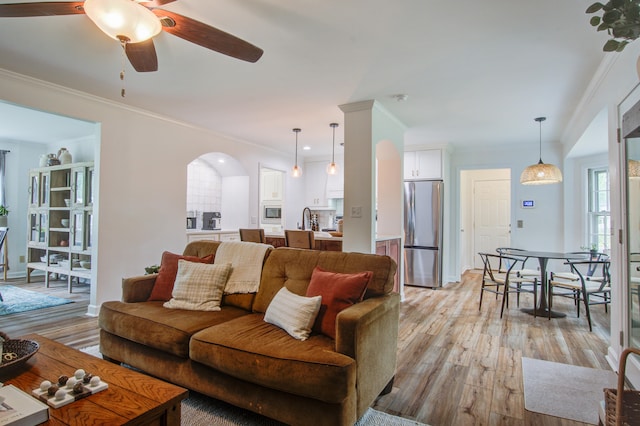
356	211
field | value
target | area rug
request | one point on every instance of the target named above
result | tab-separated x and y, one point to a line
200	410
563	390
17	300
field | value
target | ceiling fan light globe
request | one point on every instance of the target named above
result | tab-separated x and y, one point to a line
123	19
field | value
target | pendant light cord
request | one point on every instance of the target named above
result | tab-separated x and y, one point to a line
333	151
540	120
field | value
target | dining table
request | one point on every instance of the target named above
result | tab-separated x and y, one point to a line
542	307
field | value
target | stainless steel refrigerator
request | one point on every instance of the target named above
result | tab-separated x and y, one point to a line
423	233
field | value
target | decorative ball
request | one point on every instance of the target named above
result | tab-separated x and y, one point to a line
95	381
62	380
53	389
71	382
45	385
60	394
87	378
78	388
79	374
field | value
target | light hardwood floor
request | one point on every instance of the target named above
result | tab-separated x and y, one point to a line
456	365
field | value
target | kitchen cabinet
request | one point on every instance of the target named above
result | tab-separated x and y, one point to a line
60	221
335	183
315	178
271	185
391	247
423	164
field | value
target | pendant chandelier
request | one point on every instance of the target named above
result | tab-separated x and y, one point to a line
296	171
332	167
540	173
633	169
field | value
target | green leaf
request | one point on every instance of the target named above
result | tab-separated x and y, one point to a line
594	8
617	3
611	16
611	46
621	46
595	21
603	27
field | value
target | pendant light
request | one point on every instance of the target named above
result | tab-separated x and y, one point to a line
332	167
540	173
633	169
296	171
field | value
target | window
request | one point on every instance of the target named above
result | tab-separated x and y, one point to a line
599	210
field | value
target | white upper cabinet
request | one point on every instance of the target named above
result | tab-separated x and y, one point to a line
424	164
271	184
315	179
335	183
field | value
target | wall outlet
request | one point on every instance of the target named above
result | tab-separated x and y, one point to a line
520	224
356	211
21	259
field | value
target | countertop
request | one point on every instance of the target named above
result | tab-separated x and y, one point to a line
317	236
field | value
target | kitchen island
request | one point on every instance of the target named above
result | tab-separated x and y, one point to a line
389	245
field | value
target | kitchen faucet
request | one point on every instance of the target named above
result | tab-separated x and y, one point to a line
306	209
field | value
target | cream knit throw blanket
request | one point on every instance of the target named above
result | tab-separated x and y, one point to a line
246	261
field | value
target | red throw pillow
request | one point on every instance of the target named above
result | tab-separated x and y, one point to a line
338	291
167	274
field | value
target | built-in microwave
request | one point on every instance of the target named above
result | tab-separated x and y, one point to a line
272	212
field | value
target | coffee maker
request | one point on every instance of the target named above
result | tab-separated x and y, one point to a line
211	221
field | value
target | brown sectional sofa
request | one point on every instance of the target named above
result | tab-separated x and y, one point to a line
235	356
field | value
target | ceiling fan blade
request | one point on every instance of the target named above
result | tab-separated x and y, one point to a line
19	10
207	36
142	56
156	3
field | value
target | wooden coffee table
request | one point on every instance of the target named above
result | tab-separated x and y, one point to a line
131	399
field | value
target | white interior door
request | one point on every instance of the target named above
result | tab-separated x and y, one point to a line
491	216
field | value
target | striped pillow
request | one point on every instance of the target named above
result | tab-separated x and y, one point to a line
294	314
199	286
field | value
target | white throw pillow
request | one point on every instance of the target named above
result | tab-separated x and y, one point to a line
294	314
198	286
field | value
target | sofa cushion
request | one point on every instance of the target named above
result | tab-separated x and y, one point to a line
198	286
250	349
338	292
292	313
163	286
151	324
292	268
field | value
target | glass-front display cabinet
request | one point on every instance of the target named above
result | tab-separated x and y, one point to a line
60	217
631	175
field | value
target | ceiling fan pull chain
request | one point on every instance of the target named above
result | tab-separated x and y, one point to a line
124	59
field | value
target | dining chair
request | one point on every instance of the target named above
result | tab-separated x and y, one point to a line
523	271
507	282
594	289
299	239
253	235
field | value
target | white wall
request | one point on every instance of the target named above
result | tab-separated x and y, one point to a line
142	176
542	226
235	202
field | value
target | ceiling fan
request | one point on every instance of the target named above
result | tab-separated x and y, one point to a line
135	22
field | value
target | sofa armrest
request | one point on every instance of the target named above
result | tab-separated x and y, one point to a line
368	332
137	289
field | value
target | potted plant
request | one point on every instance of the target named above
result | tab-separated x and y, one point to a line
620	18
4	212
